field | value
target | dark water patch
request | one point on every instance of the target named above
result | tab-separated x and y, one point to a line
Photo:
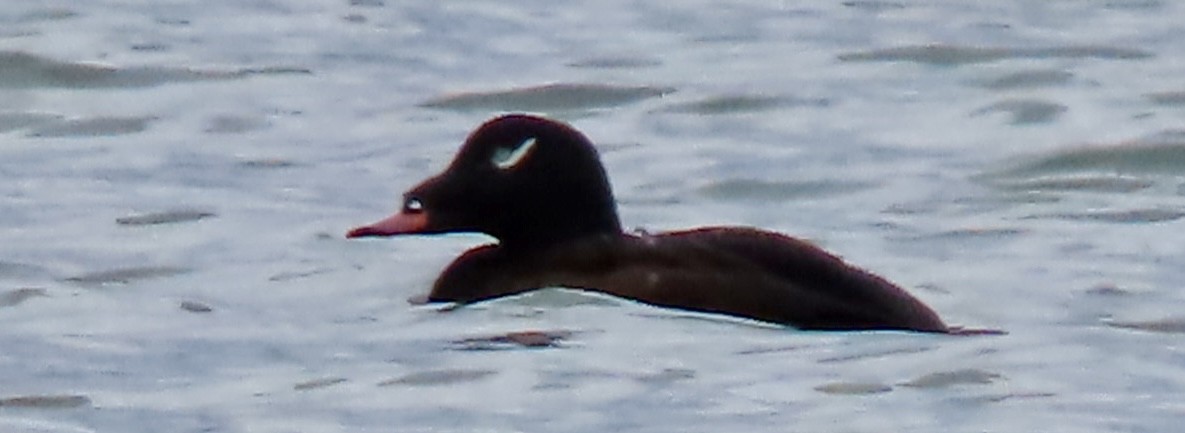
616	63
666	376
998	398
1174	98
267	70
955	55
11	33
195	307
1028	79
853	388
735	37
12	298
150	47
972	234
1142	5
754	189
318	383
1172	325
731	104
46	401
229	124
1134	216
1100	184
296	275
20	69
874	5
264	163
173	22
10	121
761	350
652	200
439	377
567	379
165	217
551	97
1165	136
933	288
127	275
91	127
1107	290
514	340
46	14
873	354
21	270
1025	111
915	208
945	379
999	201
1130	158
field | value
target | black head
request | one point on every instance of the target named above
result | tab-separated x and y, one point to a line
525	180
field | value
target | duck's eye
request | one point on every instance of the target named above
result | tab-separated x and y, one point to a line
505	158
413	205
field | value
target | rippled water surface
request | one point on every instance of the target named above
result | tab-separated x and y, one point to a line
178	178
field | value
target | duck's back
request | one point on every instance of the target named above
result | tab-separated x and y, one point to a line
777	278
730	270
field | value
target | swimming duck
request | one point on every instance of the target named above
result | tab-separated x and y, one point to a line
537	186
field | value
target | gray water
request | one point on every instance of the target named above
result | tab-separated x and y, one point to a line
178	178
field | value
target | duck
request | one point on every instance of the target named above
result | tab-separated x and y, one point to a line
538	187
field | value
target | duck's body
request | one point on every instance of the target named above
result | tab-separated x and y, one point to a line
538	186
729	270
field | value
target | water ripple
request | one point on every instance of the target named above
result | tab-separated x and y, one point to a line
1028	79
46	401
754	189
955	55
1133	216
1025	111
164	217
91	127
1138	157
1171	98
15	297
127	275
20	69
551	97
10	121
730	104
945	379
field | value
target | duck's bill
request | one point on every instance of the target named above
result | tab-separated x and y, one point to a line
398	224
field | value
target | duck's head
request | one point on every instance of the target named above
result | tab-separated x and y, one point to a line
525	180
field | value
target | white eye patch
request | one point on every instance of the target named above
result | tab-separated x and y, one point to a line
506	158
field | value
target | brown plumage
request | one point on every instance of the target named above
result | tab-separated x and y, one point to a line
538	187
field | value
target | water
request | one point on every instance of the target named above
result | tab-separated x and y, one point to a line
179	178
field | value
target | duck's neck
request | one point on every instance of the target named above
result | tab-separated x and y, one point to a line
553	230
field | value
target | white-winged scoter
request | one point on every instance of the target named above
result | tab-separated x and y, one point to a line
538	187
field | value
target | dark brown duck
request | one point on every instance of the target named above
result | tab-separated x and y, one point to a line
538	187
